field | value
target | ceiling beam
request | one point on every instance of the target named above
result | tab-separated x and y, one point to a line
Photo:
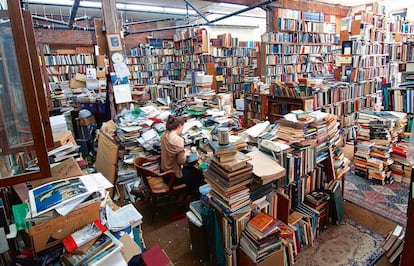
73	12
236	2
196	10
60	22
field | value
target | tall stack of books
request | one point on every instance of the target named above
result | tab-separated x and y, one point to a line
261	238
401	168
230	193
379	129
361	156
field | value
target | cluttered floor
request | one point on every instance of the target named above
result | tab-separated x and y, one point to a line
170	230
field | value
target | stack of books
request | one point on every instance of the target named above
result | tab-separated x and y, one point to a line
261	238
296	131
361	156
401	168
394	243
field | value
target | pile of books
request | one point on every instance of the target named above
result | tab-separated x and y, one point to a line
382	131
394	243
229	192
261	238
401	168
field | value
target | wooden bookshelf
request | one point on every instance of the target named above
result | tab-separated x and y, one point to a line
302	44
279	106
256	108
63	64
149	64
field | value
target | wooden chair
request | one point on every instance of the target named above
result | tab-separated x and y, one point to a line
157	193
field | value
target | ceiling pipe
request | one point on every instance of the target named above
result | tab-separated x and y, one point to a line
83	18
151	20
196	10
242	11
50	20
201	24
73	12
62	27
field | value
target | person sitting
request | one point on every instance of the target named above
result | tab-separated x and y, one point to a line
174	157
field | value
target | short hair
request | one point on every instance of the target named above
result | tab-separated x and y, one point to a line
173	122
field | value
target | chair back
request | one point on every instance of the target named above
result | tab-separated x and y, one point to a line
145	172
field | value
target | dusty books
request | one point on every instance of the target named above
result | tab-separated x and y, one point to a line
57	193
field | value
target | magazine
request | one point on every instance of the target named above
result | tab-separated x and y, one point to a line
57	193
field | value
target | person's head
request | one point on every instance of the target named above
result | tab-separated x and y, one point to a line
175	123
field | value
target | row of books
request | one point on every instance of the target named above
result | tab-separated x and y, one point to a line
305	26
233	51
149	60
304	15
150	51
79	59
300	37
280	48
69	69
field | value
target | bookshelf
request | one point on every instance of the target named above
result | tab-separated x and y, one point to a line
302	45
278	106
62	64
256	108
190	47
149	63
235	61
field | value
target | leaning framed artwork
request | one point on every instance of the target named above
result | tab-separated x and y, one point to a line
114	42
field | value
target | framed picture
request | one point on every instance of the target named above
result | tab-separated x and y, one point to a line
114	42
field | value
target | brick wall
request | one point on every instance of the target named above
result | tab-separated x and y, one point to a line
65	38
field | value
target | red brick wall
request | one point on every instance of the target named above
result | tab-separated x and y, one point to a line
71	38
65	37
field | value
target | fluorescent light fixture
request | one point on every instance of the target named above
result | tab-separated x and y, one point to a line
90	4
171	10
119	6
231	5
54	2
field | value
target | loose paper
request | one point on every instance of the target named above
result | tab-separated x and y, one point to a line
121	70
122	93
57	193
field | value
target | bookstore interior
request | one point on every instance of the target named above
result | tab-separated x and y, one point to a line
201	132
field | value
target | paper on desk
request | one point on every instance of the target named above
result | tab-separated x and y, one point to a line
69	206
123	217
291	117
255	130
130	128
54	194
190	124
214	112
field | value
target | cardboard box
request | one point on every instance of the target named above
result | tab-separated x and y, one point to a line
277	258
343	35
107	157
100	61
51	232
62	138
372	7
364	17
80	77
75	84
100	72
356	27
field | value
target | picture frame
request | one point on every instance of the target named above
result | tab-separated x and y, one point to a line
114	42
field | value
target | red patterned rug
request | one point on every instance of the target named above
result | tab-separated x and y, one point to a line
389	201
